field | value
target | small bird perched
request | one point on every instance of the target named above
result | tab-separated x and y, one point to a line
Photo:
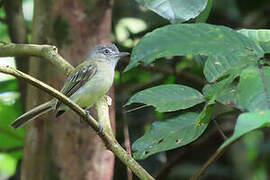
85	85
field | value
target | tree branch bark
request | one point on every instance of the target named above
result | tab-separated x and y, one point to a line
18	34
47	52
106	135
50	53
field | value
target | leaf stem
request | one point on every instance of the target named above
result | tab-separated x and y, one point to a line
220	130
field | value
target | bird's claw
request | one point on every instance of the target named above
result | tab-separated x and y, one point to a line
100	127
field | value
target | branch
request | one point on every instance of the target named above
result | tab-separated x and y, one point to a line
45	51
210	161
220	130
108	139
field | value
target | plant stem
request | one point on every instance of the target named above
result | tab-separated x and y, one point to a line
210	161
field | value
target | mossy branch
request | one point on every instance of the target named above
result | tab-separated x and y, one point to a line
50	53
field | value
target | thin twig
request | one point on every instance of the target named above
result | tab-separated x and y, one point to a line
127	143
264	85
220	130
137	108
210	161
109	140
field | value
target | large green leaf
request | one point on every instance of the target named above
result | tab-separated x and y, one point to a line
166	98
260	36
184	39
176	11
168	134
253	90
247	122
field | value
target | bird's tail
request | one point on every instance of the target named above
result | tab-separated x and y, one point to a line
32	114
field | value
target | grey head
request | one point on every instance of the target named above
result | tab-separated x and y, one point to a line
106	52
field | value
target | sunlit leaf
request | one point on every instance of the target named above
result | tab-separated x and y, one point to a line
167	98
176	11
7	165
168	134
185	39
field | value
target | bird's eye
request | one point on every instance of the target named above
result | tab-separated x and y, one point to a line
106	51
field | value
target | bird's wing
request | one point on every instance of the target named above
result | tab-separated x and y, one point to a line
77	78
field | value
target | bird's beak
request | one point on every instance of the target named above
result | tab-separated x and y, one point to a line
122	54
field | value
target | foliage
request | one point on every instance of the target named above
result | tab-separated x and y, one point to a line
168	98
231	55
168	134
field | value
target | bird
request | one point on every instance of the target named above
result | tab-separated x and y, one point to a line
85	85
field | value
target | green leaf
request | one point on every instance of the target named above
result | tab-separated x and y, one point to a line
254	89
247	122
260	37
217	67
205	115
166	98
204	15
185	39
168	134
200	59
176	11
210	90
224	91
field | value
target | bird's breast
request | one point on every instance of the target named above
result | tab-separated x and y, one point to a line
95	88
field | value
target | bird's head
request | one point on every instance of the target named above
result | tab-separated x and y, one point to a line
106	52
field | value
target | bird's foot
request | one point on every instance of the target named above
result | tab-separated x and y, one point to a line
100	127
108	99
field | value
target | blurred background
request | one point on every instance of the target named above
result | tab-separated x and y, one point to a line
249	158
